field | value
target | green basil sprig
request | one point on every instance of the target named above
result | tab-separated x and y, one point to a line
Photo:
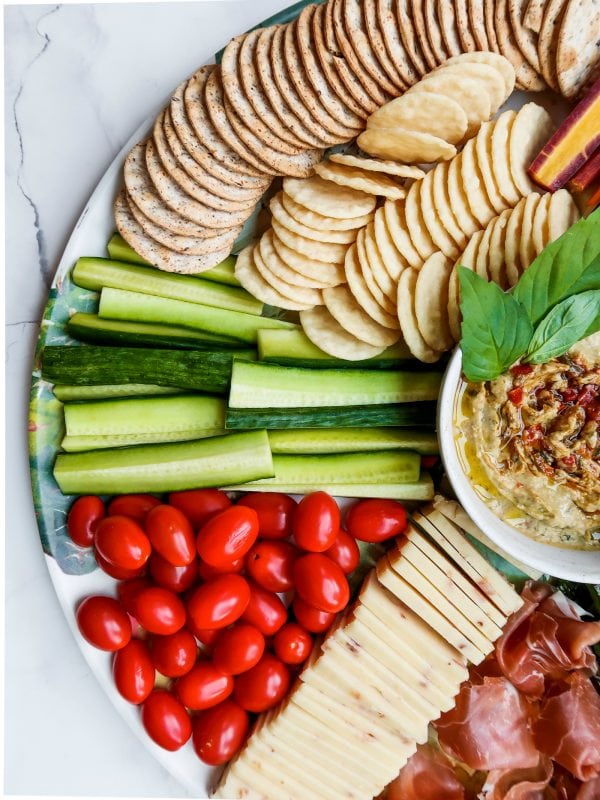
555	303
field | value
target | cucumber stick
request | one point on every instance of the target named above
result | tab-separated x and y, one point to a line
259	385
90	328
407	415
97	273
294	349
352	440
217	461
183	412
420	491
201	370
134	306
119	250
81	444
69	392
401	466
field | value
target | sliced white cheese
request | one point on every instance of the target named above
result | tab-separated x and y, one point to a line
455	575
456	513
358	635
442	674
272	765
233	787
351	687
453	542
447	597
400	618
403	591
254	779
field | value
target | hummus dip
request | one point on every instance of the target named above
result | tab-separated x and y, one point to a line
532	435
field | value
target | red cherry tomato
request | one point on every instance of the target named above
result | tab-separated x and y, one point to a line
103	623
118	573
207	571
345	552
311	618
199	505
158	610
320	582
316	522
171	535
220	732
127	590
275	513
227	536
219	602
264	610
83	518
133	671
263	686
135	506
376	520
205	635
292	643
270	564
176	579
238	649
174	655
122	542
204	686
166	721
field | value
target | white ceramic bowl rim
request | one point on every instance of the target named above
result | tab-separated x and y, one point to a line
574	565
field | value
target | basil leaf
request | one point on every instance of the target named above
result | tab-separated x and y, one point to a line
564	325
495	328
567	266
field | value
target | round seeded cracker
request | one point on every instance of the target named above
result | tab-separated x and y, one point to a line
233	90
477	22
375	183
434	32
525	37
489	11
447	17
327	334
408	319
186	245
547	44
418	18
578	54
388	24
409	38
431	302
320	84
342	306
465	34
156	253
355	27
377	44
526	77
291	115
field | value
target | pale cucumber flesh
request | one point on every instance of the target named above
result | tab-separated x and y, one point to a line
419	491
80	444
352	440
71	392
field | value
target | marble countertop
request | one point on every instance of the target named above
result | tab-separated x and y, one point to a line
78	80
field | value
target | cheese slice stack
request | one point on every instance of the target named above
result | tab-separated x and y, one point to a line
390	666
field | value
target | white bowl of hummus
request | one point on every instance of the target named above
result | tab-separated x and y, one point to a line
522	453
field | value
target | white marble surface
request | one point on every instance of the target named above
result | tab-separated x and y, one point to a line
78	80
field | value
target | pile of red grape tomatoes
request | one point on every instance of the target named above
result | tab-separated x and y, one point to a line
222	600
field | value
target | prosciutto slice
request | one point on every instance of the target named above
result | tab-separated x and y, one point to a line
489	728
589	790
428	775
546	640
568	727
519	784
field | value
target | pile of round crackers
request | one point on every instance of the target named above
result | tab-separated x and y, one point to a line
284	93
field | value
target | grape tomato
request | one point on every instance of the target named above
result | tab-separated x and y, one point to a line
238	649
321	583
171	535
176	579
316	522
376	520
227	536
311	618
270	563
158	610
166	721
199	505
176	654
220	732
219	602
275	512
345	552
103	622
122	542
133	671
83	518
263	686
204	686
292	643
265	610
135	506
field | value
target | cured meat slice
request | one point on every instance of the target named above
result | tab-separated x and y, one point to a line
518	784
546	639
489	727
427	775
568	726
